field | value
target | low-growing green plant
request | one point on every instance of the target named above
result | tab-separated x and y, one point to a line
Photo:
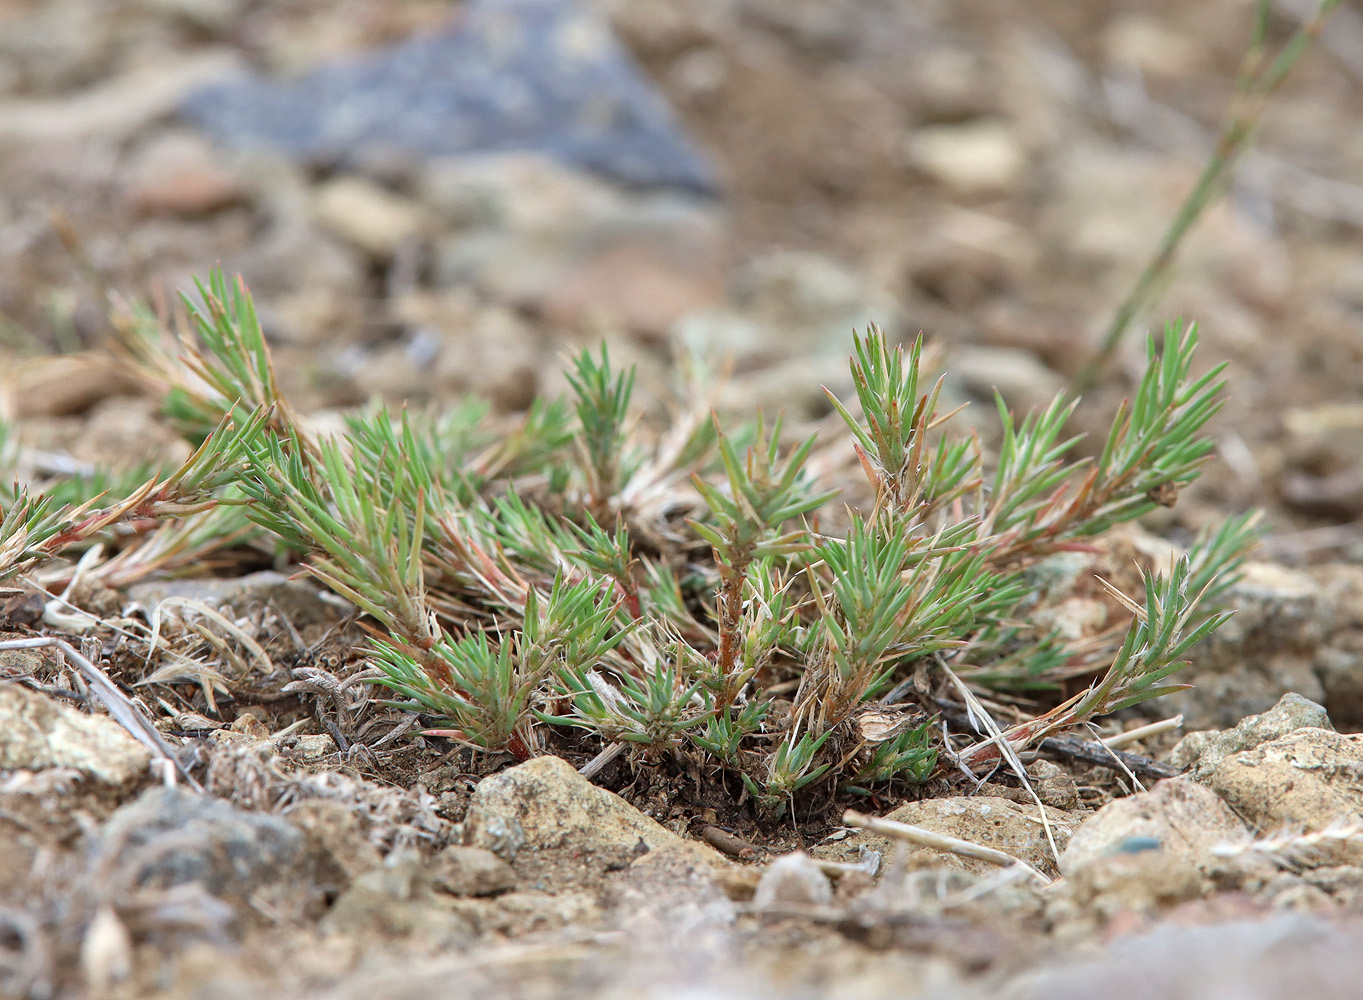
583	576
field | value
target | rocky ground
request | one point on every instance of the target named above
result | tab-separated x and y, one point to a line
992	174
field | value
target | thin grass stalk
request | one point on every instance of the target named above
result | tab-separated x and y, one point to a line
1238	133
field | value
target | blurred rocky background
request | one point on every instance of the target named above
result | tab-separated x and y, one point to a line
431	197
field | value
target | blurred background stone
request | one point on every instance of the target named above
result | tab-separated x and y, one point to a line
542	76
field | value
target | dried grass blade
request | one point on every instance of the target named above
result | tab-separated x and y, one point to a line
939	842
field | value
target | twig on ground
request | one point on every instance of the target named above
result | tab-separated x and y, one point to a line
1141	732
1092	752
938	842
731	844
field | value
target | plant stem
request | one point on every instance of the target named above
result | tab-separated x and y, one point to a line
1237	136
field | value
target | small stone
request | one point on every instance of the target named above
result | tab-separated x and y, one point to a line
229	738
1337	496
544	810
1288	891
206	15
179	173
950	82
494	354
314	747
248	725
531	234
1276	606
793	386
641	283
1054	785
1269	647
296	254
470	871
1341	675
126	431
367	216
1246	956
811	301
529	911
37	733
980	157
1201	752
793	880
1344	883
515	193
1182	820
722	331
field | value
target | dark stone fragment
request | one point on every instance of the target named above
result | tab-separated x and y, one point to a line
542	76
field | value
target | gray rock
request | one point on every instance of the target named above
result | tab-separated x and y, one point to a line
1201	752
168	837
1306	780
1178	818
471	871
37	733
543	76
